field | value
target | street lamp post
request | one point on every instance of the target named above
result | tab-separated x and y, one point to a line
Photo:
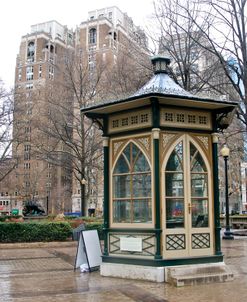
227	234
83	183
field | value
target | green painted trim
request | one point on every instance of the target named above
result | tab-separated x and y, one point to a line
114	113
182	130
105	126
157	197
115	230
163	262
149	130
184	107
106	198
130	132
155	112
216	200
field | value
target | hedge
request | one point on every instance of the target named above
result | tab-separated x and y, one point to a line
33	231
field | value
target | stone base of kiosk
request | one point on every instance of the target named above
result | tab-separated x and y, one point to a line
130	271
175	275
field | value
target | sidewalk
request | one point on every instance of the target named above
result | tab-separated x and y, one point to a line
44	272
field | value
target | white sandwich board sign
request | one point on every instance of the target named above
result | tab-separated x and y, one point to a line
88	250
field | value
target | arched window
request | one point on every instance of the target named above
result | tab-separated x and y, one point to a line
199	188
132	187
30	52
178	198
174	182
92	36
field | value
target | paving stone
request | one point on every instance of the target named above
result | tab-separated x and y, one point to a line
46	274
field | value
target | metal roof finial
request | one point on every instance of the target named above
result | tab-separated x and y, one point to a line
160	63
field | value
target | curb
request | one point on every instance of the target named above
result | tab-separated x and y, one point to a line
24	245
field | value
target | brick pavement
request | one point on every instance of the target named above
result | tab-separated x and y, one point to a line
45	273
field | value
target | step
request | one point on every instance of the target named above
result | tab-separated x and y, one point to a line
198	274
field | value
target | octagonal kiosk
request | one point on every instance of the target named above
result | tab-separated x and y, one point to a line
161	197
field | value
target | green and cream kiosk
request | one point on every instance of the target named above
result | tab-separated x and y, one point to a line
161	197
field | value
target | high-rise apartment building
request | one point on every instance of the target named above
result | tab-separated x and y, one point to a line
107	37
37	178
44	171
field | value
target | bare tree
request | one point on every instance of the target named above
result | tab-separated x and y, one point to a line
195	67
75	142
221	25
211	34
7	163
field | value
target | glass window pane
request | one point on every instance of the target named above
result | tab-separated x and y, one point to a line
127	152
142	211
141	164
135	151
121	186
199	213
174	213
197	163
130	186
199	185
175	162
174	184
121	211
142	185
121	166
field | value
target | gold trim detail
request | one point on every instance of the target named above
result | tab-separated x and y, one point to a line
116	146
187	119
166	138
204	140
145	142
130	121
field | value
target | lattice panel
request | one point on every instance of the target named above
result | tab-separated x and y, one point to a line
148	244
146	143
116	146
200	241
175	242
204	140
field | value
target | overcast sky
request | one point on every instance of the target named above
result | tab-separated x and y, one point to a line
18	15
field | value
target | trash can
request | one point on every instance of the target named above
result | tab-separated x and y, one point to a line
76	232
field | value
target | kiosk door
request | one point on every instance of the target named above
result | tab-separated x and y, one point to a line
187	200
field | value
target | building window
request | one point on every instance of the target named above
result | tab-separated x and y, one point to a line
29	86
92	36
40	71
29	73
19	74
30	52
51	72
27	184
26	166
26	156
27	147
132	187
